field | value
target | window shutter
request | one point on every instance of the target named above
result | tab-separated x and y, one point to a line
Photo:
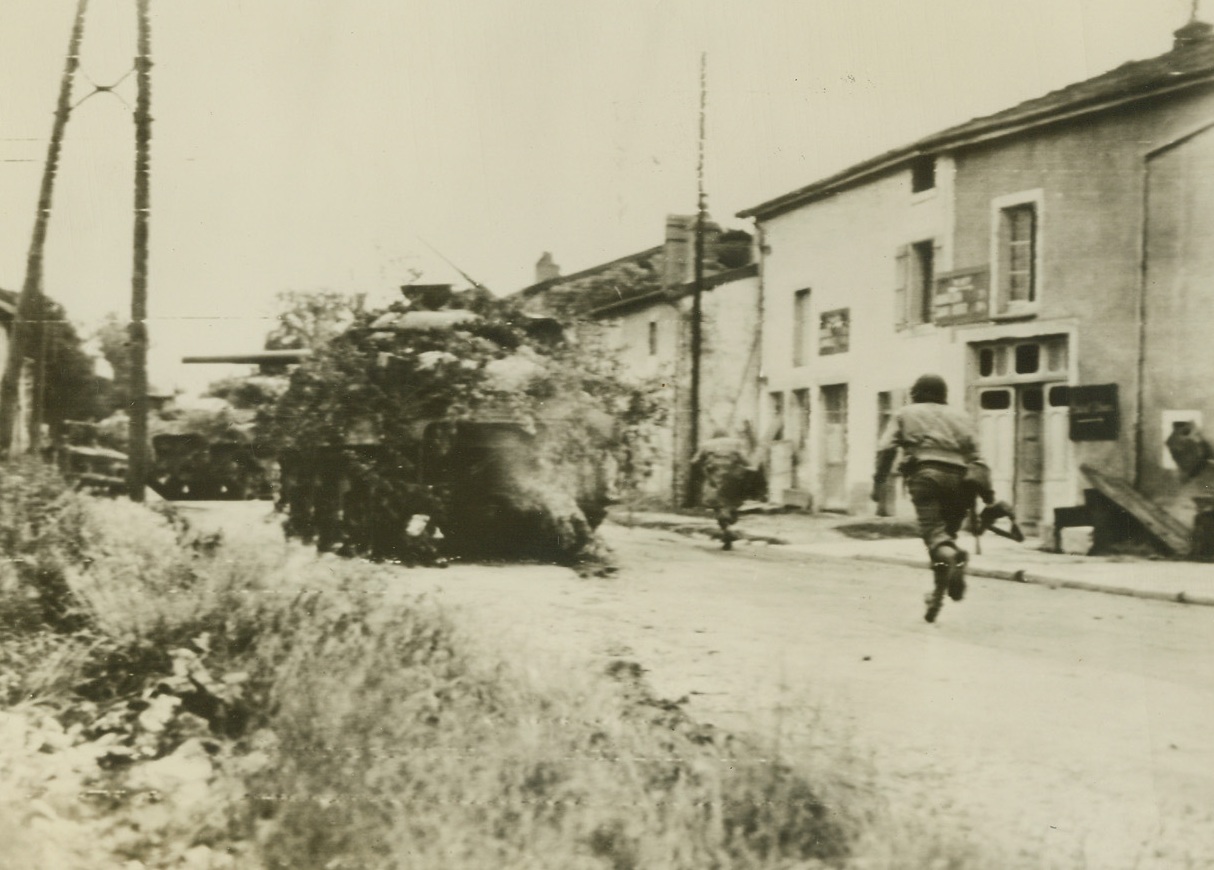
901	277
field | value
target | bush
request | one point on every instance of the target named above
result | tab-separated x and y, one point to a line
41	538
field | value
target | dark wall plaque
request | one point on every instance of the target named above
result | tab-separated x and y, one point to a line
963	296
834	331
1095	414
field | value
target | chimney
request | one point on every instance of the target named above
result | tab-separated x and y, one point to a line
679	251
546	269
1193	33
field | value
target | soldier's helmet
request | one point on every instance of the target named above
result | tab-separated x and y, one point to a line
930	388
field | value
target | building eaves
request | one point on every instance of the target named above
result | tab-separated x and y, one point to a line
8	304
1182	68
667	296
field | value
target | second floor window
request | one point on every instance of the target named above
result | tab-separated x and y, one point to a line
801	331
923	279
916	282
653	338
1018	253
923	174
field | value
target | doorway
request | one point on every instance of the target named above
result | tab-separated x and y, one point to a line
1022	436
834	447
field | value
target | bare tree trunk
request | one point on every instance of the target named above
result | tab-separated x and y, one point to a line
28	305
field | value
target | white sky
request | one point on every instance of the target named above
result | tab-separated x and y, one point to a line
310	144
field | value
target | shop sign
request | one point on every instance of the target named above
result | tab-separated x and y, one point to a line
962	296
1094	412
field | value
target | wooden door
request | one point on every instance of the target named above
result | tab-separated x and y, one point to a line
997	437
1030	454
834	447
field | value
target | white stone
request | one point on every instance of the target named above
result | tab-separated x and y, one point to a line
1076	540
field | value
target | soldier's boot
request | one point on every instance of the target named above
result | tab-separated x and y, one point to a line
727	535
935	599
727	538
956	561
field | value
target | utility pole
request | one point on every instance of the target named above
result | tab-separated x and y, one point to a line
698	288
30	303
137	464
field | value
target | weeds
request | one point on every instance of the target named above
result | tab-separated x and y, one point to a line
227	701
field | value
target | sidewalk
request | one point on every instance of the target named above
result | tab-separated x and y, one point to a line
1165	580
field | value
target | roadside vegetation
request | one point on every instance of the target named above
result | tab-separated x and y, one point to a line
173	700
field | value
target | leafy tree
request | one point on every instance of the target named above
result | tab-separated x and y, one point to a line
115	344
71	390
309	319
249	392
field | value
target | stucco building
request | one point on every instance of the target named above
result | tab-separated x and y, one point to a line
1051	261
640	308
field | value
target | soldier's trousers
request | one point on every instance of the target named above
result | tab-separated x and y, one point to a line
941	502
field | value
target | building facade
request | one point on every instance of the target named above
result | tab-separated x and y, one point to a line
640	309
1048	261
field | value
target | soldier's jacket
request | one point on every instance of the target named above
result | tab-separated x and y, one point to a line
725	470
927	432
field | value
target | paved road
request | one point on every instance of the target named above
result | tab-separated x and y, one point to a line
1075	724
1078	724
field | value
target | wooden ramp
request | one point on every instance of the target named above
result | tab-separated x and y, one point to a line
1162	526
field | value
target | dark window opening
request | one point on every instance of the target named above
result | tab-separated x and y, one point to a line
653	338
995	400
1060	397
924	278
1028	359
1032	399
923	174
801	330
986	362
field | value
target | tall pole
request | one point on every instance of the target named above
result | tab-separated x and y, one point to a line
697	307
137	466
29	304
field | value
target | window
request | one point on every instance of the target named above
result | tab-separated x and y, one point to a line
922	279
834	331
776	409
923	174
653	338
885	411
1021	233
1022	359
800	328
916	281
1028	358
995	400
1016	252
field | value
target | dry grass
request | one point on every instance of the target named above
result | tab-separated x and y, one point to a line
399	747
355	731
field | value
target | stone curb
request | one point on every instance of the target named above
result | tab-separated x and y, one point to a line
1052	582
992	573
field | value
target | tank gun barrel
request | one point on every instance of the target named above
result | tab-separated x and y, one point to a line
253	357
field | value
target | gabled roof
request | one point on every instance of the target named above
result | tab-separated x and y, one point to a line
666	296
1188	65
638	257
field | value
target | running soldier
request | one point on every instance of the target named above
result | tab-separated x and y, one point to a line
725	474
943	472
